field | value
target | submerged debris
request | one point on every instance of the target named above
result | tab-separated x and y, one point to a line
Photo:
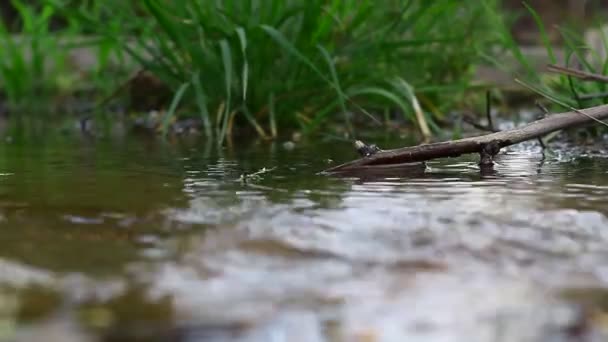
254	176
289	145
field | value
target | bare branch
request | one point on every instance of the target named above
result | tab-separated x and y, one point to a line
393	158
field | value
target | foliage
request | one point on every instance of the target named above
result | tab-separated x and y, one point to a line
563	91
24	57
296	63
36	66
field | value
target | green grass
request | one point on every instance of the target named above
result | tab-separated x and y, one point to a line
36	67
279	65
562	91
24	57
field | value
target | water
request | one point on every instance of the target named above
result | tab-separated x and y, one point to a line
138	240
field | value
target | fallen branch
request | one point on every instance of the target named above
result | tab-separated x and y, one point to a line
485	144
473	121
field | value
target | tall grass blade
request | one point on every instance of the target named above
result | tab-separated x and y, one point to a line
336	81
420	118
559	102
254	123
284	43
573	44
245	72
173	107
227	63
508	41
272	115
201	102
543	32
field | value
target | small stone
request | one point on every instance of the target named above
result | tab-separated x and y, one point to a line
296	136
289	145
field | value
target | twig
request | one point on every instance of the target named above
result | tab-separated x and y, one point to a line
542	109
593	96
489	111
484	128
545	113
472	121
254	176
574	92
561	103
583	75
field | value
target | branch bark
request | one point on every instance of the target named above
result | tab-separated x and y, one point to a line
406	155
583	75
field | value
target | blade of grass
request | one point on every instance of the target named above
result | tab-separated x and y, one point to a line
271	109
201	102
173	107
341	96
543	32
508	40
227	63
559	102
278	37
401	84
322	113
378	91
254	122
282	41
245	72
570	41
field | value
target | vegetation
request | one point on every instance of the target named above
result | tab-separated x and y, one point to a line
587	53
37	69
270	65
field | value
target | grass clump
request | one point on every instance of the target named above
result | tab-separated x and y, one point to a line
278	64
576	51
26	53
285	64
39	48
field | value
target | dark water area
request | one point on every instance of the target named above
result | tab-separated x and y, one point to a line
143	240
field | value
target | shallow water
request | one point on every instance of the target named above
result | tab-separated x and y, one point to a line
133	240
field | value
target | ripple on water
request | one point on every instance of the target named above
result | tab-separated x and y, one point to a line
447	243
449	255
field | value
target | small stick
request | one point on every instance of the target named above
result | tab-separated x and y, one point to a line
544	114
256	175
583	75
574	92
490	126
561	103
593	96
489	111
542	109
480	127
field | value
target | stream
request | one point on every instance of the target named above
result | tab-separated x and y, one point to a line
141	240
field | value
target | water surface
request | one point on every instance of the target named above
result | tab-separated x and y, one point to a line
138	240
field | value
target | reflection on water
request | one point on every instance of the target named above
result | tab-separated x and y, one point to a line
140	241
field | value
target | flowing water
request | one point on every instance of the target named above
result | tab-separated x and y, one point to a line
138	240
